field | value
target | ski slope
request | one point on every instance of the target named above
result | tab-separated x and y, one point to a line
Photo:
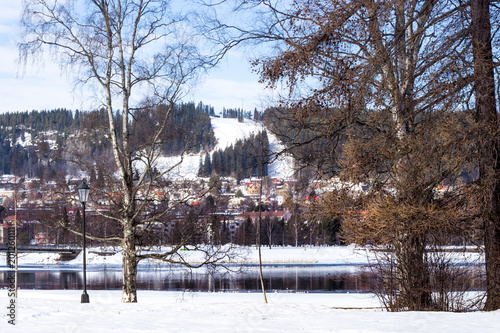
227	131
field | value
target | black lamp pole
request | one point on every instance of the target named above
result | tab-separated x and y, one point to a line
83	194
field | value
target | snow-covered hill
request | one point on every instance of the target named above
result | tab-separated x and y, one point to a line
228	131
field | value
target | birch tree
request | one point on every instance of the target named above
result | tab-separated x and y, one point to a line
131	53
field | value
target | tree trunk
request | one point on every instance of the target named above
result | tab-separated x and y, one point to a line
489	163
492	250
413	275
129	269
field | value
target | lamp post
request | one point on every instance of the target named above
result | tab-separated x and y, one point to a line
83	195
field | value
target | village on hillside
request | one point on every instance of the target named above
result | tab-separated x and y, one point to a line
43	208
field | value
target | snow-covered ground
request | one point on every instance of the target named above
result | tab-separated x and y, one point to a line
163	311
169	311
227	131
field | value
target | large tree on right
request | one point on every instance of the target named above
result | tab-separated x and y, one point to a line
391	79
489	148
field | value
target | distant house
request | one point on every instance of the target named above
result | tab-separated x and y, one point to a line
14	180
253	188
194	203
42	239
278	199
235	203
5	195
4	233
282	189
312	198
23	226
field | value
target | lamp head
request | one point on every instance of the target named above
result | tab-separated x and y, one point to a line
83	192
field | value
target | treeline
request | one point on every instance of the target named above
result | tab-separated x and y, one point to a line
249	157
307	139
189	129
30	141
241	115
295	232
16	124
236	114
27	139
16	159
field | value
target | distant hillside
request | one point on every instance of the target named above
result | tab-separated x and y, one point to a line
247	157
30	141
15	125
307	139
228	132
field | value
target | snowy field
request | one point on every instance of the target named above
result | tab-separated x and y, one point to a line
163	311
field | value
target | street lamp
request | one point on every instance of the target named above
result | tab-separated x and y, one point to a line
83	195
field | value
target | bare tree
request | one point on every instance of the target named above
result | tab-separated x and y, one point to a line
408	60
134	55
389	79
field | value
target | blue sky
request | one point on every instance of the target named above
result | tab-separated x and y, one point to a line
44	86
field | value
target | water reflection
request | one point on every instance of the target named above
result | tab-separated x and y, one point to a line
296	278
